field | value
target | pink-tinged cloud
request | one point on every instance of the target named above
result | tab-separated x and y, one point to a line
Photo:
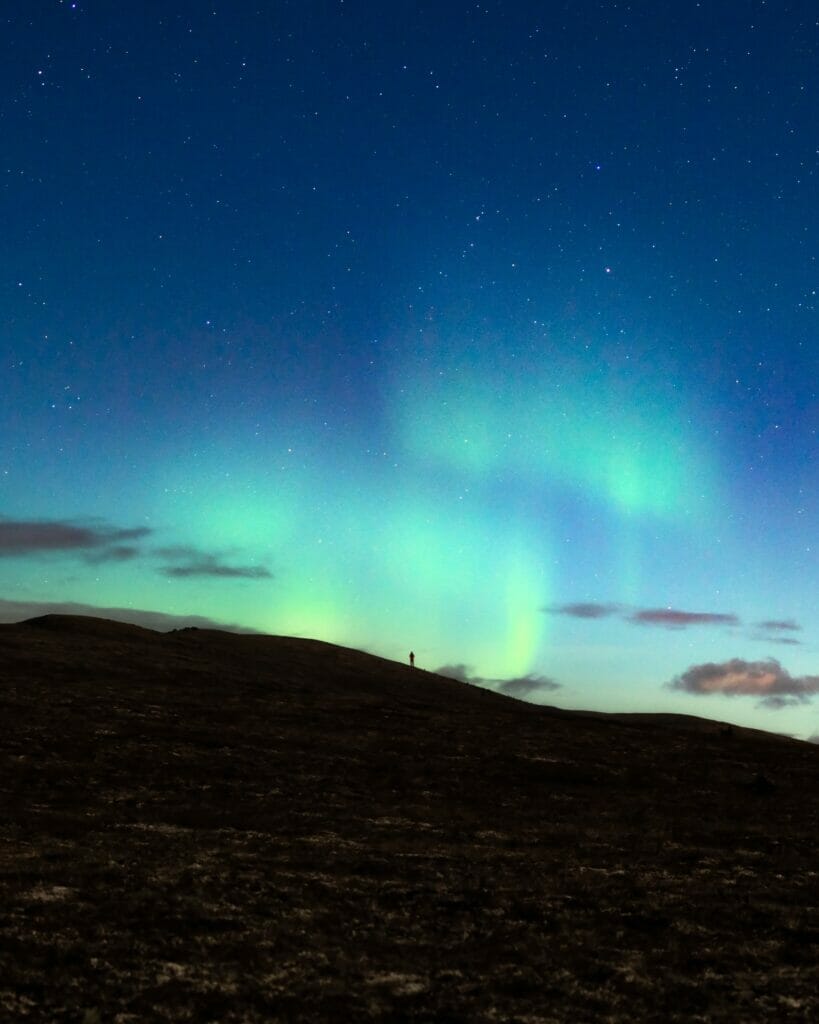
673	618
737	678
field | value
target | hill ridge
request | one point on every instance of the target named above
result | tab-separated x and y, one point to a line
217	826
303	653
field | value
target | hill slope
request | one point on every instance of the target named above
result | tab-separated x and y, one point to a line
206	826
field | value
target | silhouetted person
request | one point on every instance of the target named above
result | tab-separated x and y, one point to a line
412	659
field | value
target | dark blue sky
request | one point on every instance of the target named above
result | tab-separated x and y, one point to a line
412	325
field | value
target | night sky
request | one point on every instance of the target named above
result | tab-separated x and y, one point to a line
483	329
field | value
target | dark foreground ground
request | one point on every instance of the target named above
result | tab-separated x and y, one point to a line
199	826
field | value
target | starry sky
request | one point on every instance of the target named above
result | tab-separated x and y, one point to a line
486	329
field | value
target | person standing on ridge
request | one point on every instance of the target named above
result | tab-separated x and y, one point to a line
412	659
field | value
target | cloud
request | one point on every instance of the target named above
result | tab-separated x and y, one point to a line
776	703
192	562
118	553
675	618
97	542
584	610
526	686
777	627
459	672
814	738
18	611
773	625
210	567
672	618
521	687
767	680
32	536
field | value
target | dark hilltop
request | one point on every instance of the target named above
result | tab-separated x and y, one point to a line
205	826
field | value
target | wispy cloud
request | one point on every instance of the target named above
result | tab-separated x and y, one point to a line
189	561
770	631
95	540
776	702
674	618
670	618
458	671
776	625
767	680
210	567
18	611
117	553
585	610
526	686
522	687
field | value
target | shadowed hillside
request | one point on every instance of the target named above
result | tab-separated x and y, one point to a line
204	826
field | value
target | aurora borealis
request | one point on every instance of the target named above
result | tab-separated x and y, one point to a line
486	330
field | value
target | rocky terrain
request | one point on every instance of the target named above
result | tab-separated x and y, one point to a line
201	826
